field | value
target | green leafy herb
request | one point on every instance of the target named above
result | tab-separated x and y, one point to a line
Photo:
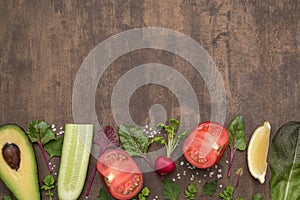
227	194
104	195
6	197
48	184
210	188
240	198
191	191
54	147
135	142
40	132
237	138
171	189
257	196
173	138
144	194
285	162
238	172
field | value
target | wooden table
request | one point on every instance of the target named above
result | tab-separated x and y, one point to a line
255	47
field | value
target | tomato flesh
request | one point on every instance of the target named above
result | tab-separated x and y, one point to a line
206	144
120	173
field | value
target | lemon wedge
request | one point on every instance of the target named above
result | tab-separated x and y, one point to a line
258	151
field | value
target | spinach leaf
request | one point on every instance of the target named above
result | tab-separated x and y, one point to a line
171	189
210	188
133	140
237	138
285	162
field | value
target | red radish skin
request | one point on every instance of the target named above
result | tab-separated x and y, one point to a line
164	165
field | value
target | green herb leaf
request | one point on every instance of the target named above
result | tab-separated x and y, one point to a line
257	196
54	147
240	198
141	196
48	180
6	197
48	184
104	195
133	140
237	135
170	189
145	191
191	191
285	162
210	188
237	138
173	139
40	131
227	194
46	187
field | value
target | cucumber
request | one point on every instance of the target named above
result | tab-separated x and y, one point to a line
74	160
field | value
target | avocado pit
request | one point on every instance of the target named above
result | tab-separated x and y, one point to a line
11	154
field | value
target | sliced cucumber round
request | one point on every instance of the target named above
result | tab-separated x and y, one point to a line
74	160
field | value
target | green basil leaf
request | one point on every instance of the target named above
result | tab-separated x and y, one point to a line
257	196
54	147
171	189
210	188
133	140
40	131
285	162
104	195
237	136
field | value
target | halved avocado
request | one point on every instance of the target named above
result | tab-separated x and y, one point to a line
18	168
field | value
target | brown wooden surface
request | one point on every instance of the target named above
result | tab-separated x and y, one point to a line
255	45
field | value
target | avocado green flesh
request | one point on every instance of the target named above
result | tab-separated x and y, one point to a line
23	182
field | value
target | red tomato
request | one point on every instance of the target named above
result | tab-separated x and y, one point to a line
120	173
205	145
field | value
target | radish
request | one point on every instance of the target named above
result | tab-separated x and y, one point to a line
164	164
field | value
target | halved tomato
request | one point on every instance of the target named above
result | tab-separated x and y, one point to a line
120	173
206	144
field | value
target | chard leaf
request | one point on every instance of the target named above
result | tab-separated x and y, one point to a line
40	131
171	189
237	136
106	138
133	140
285	162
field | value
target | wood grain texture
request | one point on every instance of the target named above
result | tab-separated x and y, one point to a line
255	45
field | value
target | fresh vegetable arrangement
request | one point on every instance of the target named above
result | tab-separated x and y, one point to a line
202	148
